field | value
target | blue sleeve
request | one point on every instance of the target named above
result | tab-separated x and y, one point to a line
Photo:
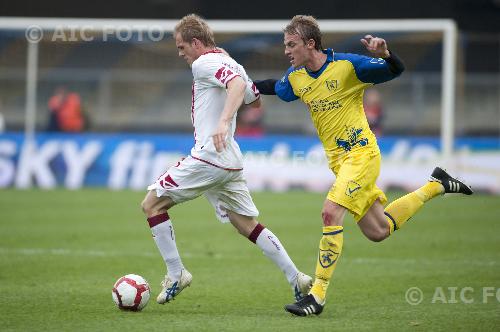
284	89
368	70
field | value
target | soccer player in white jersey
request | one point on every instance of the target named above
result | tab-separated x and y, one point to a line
214	168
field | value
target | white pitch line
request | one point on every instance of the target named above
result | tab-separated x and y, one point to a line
412	261
357	260
78	252
71	252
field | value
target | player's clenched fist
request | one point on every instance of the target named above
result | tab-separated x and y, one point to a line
375	45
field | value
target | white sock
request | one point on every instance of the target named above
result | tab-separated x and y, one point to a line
164	237
272	248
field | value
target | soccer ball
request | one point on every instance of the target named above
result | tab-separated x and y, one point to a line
131	292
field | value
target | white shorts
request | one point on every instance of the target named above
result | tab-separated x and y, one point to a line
225	190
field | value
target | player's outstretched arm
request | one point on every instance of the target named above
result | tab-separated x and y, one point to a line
266	87
235	93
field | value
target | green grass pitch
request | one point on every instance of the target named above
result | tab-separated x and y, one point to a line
61	251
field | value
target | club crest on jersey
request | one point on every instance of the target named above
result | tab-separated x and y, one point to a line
332	84
327	257
353	139
352	188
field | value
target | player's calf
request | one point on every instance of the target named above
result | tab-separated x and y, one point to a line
374	224
153	205
377	236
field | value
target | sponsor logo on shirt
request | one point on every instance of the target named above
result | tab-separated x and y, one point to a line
322	105
305	89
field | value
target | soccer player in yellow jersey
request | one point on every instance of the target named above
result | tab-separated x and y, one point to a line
331	84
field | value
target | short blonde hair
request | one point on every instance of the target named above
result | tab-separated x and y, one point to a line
307	28
193	26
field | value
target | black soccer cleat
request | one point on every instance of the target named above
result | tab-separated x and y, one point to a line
450	184
305	307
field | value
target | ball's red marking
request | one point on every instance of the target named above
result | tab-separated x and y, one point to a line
138	297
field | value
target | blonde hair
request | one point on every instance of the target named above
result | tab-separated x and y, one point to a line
193	26
307	28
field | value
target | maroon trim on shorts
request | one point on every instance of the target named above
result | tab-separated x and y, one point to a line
192	111
214	165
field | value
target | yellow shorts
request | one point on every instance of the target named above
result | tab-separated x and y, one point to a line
355	187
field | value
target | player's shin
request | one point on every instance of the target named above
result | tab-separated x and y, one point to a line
401	210
272	248
164	236
330	248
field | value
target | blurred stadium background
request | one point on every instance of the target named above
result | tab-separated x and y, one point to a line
130	82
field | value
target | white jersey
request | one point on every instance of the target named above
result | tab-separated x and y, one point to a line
211	73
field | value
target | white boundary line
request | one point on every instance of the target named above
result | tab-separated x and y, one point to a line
104	253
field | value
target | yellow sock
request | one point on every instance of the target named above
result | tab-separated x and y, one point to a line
330	247
402	209
429	191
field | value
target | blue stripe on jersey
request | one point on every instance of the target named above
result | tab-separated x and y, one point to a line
368	70
283	87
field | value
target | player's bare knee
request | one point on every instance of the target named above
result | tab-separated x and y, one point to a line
327	218
145	206
152	206
148	208
333	214
330	218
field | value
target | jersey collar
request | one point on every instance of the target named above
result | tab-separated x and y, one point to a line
212	51
329	58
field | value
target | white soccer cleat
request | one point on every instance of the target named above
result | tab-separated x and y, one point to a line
302	285
172	288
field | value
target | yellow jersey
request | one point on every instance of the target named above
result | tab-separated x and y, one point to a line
334	97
